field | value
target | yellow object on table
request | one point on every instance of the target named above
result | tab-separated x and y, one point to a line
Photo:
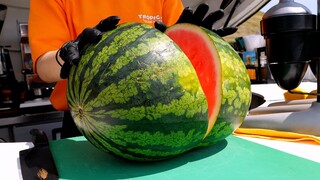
288	96
277	135
312	94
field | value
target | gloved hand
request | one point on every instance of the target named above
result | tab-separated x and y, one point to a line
197	18
70	51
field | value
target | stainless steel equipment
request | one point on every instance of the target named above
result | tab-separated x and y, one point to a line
292	36
35	87
9	87
286	28
292	40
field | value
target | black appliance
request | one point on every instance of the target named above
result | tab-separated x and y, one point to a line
292	36
288	28
9	87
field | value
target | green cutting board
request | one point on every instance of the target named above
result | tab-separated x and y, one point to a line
233	158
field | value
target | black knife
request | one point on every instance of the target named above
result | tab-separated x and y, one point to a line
37	162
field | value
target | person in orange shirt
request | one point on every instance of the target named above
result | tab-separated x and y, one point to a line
57	28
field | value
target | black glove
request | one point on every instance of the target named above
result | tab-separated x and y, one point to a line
70	51
197	18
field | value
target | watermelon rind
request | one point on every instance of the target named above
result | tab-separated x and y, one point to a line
236	91
136	94
233	87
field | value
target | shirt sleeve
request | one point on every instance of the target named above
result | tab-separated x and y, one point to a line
48	29
172	10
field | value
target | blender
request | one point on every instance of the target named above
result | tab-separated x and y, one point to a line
292	43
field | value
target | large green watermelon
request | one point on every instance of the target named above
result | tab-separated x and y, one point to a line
145	95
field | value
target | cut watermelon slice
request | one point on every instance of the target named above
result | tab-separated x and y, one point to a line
200	49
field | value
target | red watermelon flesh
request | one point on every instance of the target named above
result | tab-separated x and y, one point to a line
200	50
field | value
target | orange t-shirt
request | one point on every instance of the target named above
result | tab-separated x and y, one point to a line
54	22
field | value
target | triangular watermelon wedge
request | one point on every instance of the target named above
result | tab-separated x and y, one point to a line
221	73
200	49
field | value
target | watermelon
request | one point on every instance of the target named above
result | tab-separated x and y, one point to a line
223	77
146	95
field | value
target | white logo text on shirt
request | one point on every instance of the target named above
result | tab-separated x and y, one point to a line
150	19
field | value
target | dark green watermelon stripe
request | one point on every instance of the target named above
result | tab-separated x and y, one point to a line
147	140
183	72
128	87
127	83
159	139
172	125
138	48
131	88
73	88
234	78
105	53
236	92
222	129
188	105
120	147
144	139
88	80
70	89
142	75
88	65
88	125
121	61
134	80
178	106
119	40
143	79
171	119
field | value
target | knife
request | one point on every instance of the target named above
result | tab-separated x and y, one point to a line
37	162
